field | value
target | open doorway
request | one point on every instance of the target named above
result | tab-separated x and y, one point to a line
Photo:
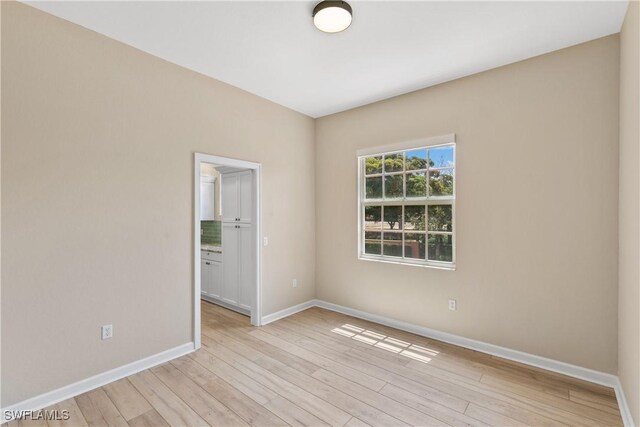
227	230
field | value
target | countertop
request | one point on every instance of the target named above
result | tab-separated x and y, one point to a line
211	248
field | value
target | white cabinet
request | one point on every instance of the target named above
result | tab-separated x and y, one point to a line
235	287
245	269
237	274
207	198
237	196
215	286
206	276
230	246
211	275
245	196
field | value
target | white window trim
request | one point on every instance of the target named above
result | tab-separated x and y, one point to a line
432	142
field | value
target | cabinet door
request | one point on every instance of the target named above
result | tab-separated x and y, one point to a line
215	287
229	197
245	196
230	245
246	276
207	201
205	276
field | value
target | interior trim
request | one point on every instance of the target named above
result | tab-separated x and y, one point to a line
407	145
63	393
288	311
625	411
256	172
216	301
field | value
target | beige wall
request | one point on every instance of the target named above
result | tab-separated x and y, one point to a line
113	130
537	208
629	231
97	168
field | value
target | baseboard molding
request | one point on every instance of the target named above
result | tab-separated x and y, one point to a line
287	312
625	411
568	369
586	374
226	305
82	386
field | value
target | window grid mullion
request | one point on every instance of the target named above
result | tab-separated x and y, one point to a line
403	224
426	201
428	189
382	230
376	175
408	202
426	224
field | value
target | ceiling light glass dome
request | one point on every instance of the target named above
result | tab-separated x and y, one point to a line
332	16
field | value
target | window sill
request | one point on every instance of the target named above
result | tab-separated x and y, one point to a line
400	261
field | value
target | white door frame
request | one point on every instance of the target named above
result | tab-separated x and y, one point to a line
256	307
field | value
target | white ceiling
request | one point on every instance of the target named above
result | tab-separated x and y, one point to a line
272	49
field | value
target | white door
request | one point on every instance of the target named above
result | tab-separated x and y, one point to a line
205	276
215	287
245	196
245	266
229	197
230	262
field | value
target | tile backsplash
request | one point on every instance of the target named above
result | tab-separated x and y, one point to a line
211	233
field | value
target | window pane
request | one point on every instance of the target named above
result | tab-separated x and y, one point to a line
392	244
373	218
440	218
415	229
416	184
392	218
441	157
414	245
374	188
416	159
441	182
440	247
414	217
393	186
372	243
393	162
373	165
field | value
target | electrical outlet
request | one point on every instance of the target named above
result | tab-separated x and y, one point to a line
107	332
265	241
295	283
453	305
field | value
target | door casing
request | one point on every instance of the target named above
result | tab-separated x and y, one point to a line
256	168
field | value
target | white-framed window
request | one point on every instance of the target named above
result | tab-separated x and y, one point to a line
406	203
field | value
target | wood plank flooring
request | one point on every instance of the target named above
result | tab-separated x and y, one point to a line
320	368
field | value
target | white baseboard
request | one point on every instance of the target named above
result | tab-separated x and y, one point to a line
287	312
586	374
568	369
82	386
627	419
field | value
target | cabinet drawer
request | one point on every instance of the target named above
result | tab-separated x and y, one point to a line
211	256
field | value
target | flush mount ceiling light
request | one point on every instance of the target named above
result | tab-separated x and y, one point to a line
332	16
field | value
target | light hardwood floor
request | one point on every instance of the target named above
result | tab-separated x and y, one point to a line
322	368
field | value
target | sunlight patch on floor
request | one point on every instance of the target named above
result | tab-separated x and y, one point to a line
393	345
